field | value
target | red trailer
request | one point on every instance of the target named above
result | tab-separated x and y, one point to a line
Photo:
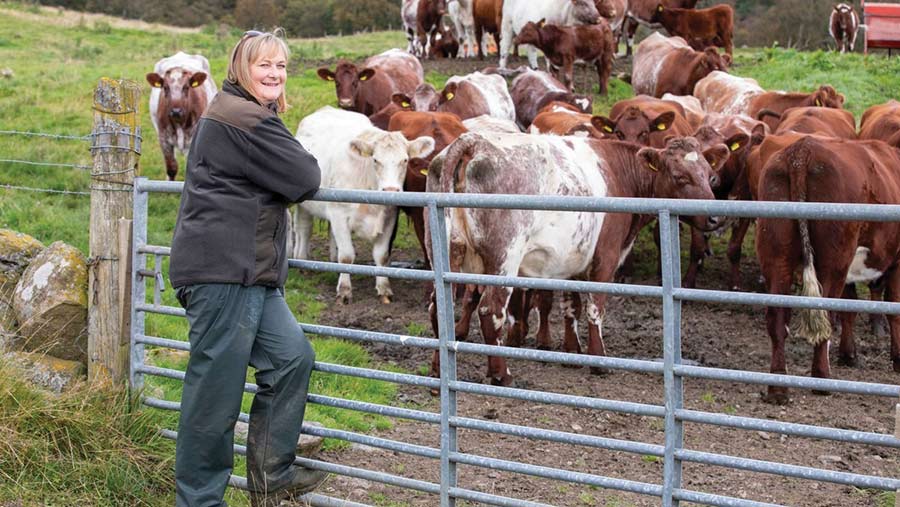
882	24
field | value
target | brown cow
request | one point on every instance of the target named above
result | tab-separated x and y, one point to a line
369	89
700	27
468	96
562	119
778	102
532	90
399	102
669	65
693	110
843	23
588	245
428	21
829	253
182	89
823	121
644	120
444	43
487	14
563	45
881	121
642	11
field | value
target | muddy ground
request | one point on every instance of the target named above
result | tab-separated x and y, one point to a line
715	335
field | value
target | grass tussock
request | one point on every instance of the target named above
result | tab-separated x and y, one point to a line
87	446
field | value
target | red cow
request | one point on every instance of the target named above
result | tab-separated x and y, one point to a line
642	11
562	119
444	43
881	121
669	65
700	27
778	102
829	253
369	89
428	21
532	90
182	89
486	14
562	45
644	120
823	121
843	23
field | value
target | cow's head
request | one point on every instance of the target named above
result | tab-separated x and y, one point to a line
738	143
606	8
683	170
633	125
844	14
585	11
529	34
440	7
178	99
347	78
425	98
387	154
826	96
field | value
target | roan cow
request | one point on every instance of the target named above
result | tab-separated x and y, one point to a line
843	23
669	65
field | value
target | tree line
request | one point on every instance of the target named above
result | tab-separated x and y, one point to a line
794	23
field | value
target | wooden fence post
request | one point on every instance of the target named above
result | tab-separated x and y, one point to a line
116	147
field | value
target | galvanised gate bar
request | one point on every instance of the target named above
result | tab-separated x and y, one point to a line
672	369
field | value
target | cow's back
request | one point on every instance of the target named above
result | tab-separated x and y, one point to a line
405	70
650	58
881	121
721	92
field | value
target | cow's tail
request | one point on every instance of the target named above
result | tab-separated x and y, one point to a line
453	180
812	324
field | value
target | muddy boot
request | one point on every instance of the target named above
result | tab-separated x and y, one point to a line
303	481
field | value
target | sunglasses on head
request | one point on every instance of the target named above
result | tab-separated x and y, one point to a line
251	33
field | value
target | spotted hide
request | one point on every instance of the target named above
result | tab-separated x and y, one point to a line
353	154
669	65
551	244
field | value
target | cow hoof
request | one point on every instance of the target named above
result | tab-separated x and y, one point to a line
776	396
879	327
596	370
344	299
847	360
386	299
896	362
503	380
821	393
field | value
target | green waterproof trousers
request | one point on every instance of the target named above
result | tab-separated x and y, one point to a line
232	326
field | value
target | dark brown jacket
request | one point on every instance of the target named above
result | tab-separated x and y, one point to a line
243	170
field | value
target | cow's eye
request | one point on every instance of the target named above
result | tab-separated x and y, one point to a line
620	135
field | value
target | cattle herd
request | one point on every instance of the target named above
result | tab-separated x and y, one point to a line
693	131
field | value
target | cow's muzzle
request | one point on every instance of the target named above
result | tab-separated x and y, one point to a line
176	113
345	102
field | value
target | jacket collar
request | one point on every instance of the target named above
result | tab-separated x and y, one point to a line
238	90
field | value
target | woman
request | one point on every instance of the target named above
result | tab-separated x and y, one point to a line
229	265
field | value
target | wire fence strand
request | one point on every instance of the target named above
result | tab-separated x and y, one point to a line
50	164
42	134
45	190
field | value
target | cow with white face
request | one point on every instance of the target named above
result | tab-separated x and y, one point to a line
182	89
353	154
553	244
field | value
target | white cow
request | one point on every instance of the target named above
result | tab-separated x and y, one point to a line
468	96
408	13
353	154
460	12
516	13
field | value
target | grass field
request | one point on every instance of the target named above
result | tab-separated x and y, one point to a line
56	58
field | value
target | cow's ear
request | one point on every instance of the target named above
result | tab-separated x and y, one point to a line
542	22
418	165
421	147
197	79
716	156
603	124
727	59
362	148
837	7
449	92
402	100
155	80
737	142
366	74
325	74
758	134
649	158
663	121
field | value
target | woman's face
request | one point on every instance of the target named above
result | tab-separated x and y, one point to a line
267	76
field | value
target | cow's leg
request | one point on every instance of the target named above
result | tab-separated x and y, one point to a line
302	230
332	245
470	299
169	156
571	314
632	26
381	254
699	247
735	242
517	317
532	56
545	305
470	41
892	294
779	253
506	35
479	34
877	321
603	71
340	231
847	348
410	47
492	316
595	313
568	70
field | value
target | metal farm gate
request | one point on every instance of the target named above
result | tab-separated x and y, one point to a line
673	370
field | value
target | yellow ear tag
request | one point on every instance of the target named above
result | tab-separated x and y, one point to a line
712	162
818	103
157	85
659	8
450	96
364	78
661	126
735	146
423	172
653	167
330	78
195	84
607	128
404	104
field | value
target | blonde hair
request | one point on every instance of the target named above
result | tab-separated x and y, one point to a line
249	49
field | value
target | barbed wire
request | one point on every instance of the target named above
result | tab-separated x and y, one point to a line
42	134
51	164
